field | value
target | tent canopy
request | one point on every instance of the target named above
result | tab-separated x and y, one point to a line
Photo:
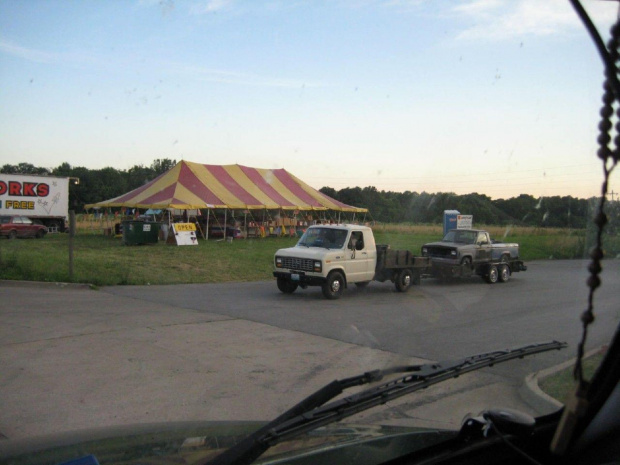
193	185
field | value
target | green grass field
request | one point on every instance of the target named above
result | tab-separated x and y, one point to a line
561	384
105	260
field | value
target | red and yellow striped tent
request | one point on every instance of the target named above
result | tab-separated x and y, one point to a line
194	185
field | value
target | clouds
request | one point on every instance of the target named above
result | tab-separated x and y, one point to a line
198	73
211	6
505	19
27	54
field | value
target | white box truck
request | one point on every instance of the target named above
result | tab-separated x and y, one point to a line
43	199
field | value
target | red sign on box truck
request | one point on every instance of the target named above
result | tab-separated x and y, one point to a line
41	198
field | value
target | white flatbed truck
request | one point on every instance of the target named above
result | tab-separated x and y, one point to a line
335	256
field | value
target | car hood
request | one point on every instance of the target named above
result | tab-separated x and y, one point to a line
443	244
195	442
307	252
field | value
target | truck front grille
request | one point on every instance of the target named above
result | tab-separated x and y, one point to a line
300	264
439	252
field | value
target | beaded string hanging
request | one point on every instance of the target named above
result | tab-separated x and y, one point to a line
609	155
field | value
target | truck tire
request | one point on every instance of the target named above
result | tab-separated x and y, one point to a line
504	273
404	280
40	233
333	287
286	286
493	275
467	268
12	235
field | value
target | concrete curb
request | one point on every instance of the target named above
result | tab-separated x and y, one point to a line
531	393
39	284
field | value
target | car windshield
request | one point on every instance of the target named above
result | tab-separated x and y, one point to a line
229	204
463	237
328	238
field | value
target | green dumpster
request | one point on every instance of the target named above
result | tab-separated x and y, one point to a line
139	232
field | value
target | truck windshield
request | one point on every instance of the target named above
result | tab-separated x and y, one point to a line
328	238
462	237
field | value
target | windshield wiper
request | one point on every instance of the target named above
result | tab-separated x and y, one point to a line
311	413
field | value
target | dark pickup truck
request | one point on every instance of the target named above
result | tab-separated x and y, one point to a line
467	252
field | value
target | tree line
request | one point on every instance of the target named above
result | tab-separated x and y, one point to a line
524	210
384	206
96	185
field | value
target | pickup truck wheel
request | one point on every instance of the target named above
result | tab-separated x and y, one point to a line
504	273
286	286
12	235
404	280
332	289
40	233
466	268
493	275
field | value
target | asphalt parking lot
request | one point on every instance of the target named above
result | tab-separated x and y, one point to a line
77	358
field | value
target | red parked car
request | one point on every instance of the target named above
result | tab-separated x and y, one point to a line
20	226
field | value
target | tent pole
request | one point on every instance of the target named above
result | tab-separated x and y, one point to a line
225	221
207	231
204	232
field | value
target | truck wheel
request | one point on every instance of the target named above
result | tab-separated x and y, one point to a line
12	235
286	286
404	280
332	289
493	275
504	273
466	267
40	233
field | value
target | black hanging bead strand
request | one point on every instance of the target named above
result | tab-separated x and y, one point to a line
609	157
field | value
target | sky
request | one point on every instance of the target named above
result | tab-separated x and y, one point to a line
498	97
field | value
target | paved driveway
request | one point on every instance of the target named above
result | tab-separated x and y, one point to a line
74	358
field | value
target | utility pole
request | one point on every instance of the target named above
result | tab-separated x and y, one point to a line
71	239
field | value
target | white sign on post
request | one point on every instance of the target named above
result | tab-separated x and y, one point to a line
464	221
183	234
